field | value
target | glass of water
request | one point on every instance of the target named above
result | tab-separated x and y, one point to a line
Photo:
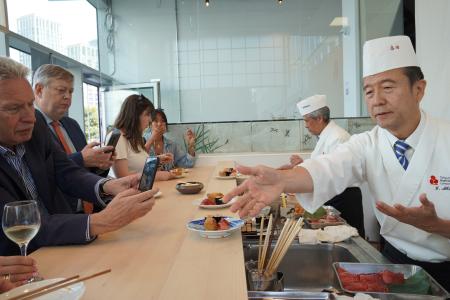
20	222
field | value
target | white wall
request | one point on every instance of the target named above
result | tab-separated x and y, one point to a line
433	51
351	59
146	43
237	63
230	61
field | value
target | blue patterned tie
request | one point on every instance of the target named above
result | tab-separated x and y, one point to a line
400	148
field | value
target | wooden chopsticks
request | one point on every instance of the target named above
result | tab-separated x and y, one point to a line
56	286
288	233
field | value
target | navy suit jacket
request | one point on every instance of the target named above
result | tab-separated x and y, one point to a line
52	173
75	133
77	136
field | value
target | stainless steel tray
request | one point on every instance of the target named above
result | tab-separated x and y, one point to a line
289	295
437	291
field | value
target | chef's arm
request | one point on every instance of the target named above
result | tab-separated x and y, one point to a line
297	180
442	227
423	217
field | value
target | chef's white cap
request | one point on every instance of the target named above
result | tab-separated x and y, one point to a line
388	53
311	104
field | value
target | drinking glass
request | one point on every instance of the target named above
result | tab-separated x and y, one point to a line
20	222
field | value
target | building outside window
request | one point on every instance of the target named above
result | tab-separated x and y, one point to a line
58	26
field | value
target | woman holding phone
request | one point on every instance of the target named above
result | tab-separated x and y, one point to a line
158	144
134	117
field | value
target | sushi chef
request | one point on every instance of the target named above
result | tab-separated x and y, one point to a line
405	160
316	117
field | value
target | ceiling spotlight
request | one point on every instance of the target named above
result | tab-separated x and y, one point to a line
207	3
280	2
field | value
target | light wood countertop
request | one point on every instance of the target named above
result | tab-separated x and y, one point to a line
156	257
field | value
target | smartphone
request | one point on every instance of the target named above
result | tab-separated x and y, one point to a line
148	173
113	139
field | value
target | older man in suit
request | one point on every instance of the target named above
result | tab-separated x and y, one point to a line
32	166
53	87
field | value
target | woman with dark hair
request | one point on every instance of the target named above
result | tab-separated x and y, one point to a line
133	119
158	144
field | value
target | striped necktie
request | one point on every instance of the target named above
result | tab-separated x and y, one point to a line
400	148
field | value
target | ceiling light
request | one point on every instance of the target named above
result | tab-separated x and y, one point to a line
207	3
280	2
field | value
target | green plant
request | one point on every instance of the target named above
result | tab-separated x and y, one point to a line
203	142
91	123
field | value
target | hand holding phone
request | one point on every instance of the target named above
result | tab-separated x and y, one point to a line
113	139
148	174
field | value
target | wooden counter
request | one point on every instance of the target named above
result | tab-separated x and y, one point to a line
156	257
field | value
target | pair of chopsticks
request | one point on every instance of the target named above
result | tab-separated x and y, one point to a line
262	252
56	286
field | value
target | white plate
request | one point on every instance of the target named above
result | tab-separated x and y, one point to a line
72	292
198	203
197	226
226	177
158	194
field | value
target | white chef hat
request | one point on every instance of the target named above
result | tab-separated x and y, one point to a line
311	104
388	53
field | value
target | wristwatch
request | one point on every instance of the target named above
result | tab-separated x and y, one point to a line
101	192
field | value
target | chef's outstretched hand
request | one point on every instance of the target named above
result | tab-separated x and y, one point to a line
261	189
423	217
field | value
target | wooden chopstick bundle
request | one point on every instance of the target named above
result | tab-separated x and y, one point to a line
56	286
290	237
266	242
287	235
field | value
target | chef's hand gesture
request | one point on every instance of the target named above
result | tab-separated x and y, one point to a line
294	161
261	189
423	217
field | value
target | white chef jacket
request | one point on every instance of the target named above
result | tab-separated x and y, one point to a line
369	157
330	137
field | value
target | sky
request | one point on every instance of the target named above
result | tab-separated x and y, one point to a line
77	17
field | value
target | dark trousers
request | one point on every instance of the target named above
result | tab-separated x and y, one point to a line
439	271
349	203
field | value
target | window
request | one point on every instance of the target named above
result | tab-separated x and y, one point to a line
2	14
22	57
91	113
68	27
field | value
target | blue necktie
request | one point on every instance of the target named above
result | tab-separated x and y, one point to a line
400	148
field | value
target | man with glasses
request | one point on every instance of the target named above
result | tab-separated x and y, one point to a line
53	88
33	166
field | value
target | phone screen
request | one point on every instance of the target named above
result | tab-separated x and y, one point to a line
148	173
113	139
